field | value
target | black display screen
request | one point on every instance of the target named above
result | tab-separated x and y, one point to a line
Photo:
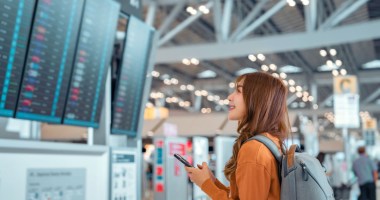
15	22
87	87
131	81
49	61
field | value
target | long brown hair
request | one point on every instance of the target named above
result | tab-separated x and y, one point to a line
265	99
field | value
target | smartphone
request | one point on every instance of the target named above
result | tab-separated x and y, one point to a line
184	161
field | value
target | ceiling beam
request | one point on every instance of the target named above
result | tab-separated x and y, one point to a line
311	15
151	13
171	17
226	19
217	14
328	22
373	108
272	44
371	97
258	22
326	79
180	27
252	15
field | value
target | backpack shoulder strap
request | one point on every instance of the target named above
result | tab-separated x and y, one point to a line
269	144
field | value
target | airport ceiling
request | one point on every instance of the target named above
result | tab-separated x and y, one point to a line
289	36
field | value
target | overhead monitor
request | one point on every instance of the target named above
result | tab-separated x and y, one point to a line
132	77
49	60
92	60
15	22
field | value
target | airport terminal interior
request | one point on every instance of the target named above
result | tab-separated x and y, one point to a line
96	96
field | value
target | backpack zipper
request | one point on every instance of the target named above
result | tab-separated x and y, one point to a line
307	173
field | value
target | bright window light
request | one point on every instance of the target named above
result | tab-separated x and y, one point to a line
290	69
207	74
372	64
245	71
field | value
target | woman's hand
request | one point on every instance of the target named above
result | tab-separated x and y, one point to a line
209	171
199	176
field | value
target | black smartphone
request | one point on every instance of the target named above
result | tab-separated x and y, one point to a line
184	161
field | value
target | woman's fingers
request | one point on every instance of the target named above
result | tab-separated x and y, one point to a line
199	166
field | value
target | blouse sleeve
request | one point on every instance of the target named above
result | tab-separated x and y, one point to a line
253	181
216	190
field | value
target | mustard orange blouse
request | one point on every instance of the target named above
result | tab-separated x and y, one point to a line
256	176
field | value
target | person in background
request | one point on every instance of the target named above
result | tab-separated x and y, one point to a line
366	171
259	105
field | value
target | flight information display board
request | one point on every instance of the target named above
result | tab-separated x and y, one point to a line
15	21
131	80
49	60
87	87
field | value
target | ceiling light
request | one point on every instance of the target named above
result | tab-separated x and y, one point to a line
203	9
335	72
181	103
174	81
323	53
285	82
311	98
315	106
210	98
291	3
155	74
261	57
329	63
264	68
167	82
252	57
283	75
197	93
190	87
299	94
183	87
299	88
273	67
168	100
291	82
343	72
186	61
292	89
217	98
304	99
276	75
305	2
204	93
187	103
332	52
232	85
338	63
194	61
226	101
305	93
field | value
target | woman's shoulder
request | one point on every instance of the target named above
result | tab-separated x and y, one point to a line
255	152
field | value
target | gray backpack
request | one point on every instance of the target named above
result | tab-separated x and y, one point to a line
302	176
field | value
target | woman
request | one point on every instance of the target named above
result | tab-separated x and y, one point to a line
259	105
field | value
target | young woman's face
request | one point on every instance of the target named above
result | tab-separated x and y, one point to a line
237	108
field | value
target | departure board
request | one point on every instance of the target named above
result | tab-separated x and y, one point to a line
93	57
49	60
131	80
15	21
